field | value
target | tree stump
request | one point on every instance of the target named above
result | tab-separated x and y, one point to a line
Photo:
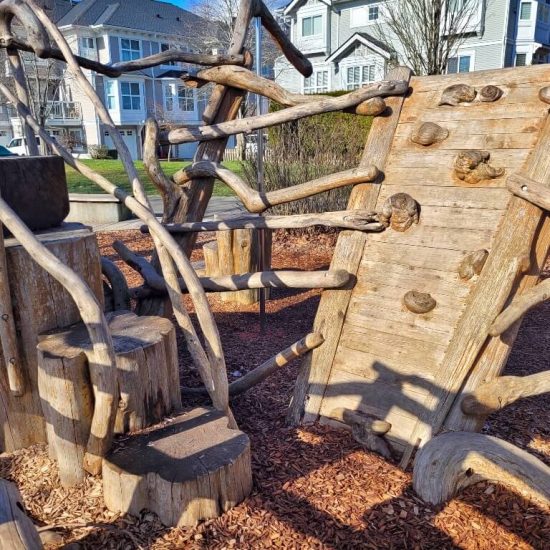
148	383
17	531
236	252
40	304
187	470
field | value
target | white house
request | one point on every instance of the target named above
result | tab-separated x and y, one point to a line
342	38
109	32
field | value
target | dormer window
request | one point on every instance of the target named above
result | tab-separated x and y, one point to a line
129	49
525	11
312	26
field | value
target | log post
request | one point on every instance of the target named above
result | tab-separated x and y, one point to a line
190	469
148	384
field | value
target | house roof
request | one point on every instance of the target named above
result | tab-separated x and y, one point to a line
365	39
145	15
295	4
60	9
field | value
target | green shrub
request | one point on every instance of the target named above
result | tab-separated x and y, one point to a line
98	152
310	148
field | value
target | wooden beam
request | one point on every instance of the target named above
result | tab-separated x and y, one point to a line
359	220
256	202
266	369
530	190
504	390
249	124
453	461
316	367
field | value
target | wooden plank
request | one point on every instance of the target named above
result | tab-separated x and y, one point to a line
456	197
486	127
438	237
415	256
511	76
511	246
316	367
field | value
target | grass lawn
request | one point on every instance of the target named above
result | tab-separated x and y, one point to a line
114	172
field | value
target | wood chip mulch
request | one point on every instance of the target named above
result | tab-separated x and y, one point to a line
314	487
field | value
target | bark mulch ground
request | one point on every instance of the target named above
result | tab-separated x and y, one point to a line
314	487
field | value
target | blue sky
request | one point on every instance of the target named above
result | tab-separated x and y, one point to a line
188	4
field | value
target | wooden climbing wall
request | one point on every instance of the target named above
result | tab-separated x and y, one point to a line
388	359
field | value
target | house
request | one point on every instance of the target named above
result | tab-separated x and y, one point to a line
109	31
346	41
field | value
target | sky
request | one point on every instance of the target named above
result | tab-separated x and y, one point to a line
188	4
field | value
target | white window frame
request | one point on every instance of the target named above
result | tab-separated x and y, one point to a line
315	88
171	93
353	15
131	96
362	65
463	53
140	51
311	16
530	18
111	91
527	60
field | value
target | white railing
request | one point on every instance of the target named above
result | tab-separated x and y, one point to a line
64	110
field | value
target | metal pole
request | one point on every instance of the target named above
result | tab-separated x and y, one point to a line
260	166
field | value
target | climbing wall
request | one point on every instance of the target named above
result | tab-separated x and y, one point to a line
389	359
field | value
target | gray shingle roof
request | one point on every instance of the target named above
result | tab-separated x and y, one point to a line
145	15
61	8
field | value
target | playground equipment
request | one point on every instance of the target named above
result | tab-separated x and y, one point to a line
442	245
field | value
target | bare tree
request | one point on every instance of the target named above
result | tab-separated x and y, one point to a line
429	31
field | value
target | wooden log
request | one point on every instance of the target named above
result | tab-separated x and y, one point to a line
504	390
17	531
225	260
119	297
245	247
520	306
451	462
244	79
211	260
147	380
530	190
255	201
190	469
315	371
267	368
360	220
262	279
34	290
244	125
8	335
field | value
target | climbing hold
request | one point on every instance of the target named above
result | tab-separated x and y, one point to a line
544	94
473	167
371	107
457	93
429	133
418	302
472	264
490	93
399	211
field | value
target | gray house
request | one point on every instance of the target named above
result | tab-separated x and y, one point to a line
109	31
346	41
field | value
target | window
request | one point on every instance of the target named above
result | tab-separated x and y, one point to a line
129	49
87	43
357	76
543	13
131	96
110	96
165	48
459	64
317	83
521	59
525	11
185	97
312	26
364	15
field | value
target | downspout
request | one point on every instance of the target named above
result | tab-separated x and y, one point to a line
505	33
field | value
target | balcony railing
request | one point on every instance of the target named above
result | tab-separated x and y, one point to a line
64	110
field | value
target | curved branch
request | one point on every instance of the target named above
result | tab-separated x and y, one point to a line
504	390
519	306
225	129
451	462
255	201
119	286
244	79
266	369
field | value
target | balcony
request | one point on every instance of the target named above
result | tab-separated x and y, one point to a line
64	112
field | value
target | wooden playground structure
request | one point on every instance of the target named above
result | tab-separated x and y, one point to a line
438	258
